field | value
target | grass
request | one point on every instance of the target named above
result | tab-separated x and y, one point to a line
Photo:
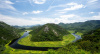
28	30
21	33
66	40
71	31
78	33
74	50
10	50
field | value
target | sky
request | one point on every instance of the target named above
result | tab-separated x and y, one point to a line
33	12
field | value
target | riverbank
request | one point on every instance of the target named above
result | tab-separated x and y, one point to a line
66	40
10	50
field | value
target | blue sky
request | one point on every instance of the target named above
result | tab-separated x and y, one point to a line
32	12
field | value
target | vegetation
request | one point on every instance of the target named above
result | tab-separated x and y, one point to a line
91	38
89	44
82	27
48	32
66	40
34	27
7	33
79	33
10	50
20	29
21	33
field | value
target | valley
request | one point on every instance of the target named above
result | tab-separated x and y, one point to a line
71	41
49	26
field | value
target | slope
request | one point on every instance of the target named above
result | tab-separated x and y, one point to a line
82	26
7	33
48	32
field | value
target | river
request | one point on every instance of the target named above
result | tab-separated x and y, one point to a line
15	45
77	37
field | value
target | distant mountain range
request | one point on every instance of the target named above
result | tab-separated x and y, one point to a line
82	26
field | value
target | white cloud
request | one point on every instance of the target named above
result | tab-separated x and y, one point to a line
25	13
73	6
92	1
6	4
67	16
97	17
17	21
37	12
37	1
72	3
71	18
33	21
62	5
91	12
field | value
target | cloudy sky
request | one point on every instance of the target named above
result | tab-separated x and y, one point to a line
32	12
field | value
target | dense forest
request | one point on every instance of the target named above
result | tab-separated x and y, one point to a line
7	34
48	32
82	26
89	44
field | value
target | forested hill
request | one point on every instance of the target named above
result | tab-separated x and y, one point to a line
7	33
90	41
89	44
82	26
48	32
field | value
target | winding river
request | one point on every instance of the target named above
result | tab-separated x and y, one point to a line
15	45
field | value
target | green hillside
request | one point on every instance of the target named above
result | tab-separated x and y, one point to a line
89	44
7	33
48	32
82	26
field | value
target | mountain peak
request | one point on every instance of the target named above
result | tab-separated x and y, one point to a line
48	32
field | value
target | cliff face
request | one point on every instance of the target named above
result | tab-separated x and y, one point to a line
48	32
